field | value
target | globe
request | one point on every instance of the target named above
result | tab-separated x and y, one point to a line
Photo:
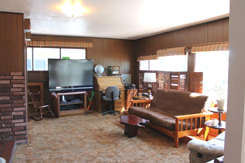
99	69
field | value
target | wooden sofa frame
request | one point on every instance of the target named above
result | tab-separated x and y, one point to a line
181	130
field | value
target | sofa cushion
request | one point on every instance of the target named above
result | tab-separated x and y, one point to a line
178	102
155	116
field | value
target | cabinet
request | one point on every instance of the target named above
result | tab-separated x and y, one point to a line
69	103
178	81
100	85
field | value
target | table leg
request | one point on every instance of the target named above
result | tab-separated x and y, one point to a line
130	131
220	115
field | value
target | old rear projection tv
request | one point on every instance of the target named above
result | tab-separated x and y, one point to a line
70	74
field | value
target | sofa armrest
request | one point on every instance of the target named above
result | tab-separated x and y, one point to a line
206	147
193	115
191	123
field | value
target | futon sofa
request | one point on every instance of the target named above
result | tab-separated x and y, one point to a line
175	113
204	151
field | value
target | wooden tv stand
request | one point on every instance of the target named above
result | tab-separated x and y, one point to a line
75	103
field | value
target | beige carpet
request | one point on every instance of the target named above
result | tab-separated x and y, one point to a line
95	138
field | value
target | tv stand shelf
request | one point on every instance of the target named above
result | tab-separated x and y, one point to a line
69	103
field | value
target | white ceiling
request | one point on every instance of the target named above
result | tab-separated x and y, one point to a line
122	19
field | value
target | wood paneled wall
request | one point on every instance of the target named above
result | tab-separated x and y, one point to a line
123	53
216	31
107	52
11	42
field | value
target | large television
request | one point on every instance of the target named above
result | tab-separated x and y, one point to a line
71	74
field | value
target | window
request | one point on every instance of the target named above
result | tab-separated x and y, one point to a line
29	59
214	66
171	63
41	56
37	58
73	53
143	65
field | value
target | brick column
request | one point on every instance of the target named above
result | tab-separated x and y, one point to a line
13	107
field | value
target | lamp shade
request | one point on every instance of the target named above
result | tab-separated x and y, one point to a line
149	77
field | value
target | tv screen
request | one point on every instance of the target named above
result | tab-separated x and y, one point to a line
70	74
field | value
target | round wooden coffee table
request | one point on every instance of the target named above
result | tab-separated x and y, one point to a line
132	123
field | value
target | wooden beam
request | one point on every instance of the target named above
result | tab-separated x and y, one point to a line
27	25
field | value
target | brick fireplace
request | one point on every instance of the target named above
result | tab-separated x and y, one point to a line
13	107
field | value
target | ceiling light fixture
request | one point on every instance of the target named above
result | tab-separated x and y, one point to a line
73	11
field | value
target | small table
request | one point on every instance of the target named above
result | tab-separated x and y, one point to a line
221	124
132	123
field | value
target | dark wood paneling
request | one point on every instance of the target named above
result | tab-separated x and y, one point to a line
107	52
11	42
216	31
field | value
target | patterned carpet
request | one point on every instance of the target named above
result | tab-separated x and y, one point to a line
95	138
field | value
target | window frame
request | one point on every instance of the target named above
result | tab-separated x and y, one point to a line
32	47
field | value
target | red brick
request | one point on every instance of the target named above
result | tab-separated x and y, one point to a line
11	133
5	105
20	132
18	113
18	85
21	141
18	77
16	73
17	97
7	125
4	81
4	90
20	109
19	101
20	137
5	77
5	129
6	114
20	124
7	110
6	102
17	105
4	97
6	85
17	81
5	121
4	73
5	93
19	116
18	93
18	121
18	128
16	89
7	117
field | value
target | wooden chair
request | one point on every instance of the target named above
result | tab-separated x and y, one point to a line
39	105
